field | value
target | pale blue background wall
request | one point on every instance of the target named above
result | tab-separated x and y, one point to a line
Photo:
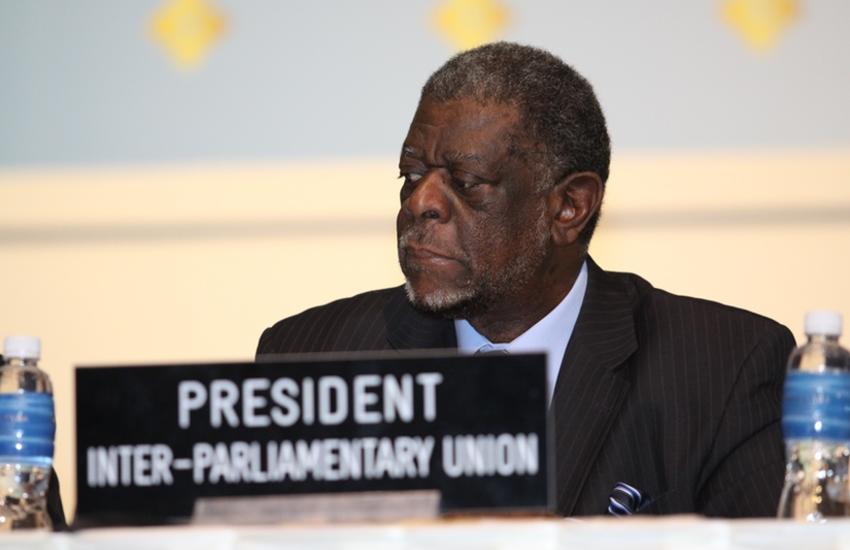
82	82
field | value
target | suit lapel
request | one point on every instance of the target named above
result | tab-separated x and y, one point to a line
411	329
592	385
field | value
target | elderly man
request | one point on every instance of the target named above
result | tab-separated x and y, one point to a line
503	172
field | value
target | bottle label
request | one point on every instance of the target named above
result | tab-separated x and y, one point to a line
27	428
816	405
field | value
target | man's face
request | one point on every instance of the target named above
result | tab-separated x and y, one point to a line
472	227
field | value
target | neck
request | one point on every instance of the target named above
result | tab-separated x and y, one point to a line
510	317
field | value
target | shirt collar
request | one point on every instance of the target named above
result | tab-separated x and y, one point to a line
550	335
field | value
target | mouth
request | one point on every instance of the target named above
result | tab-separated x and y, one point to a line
425	253
421	259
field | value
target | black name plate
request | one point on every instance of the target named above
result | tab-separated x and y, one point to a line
153	439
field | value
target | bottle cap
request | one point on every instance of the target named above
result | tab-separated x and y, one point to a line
22	347
828	323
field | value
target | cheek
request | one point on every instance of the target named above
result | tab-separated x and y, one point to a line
486	243
494	241
526	217
402	218
404	222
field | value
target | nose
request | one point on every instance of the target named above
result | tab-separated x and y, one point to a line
428	199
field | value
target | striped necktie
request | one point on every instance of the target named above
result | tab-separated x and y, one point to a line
490	349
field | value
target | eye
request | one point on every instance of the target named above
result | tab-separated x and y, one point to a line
411	177
409	183
465	185
466	182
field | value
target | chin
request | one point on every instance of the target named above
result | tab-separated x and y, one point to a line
451	303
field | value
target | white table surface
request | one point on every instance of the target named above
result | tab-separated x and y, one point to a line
467	534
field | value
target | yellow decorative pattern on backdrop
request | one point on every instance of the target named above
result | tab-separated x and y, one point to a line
760	22
187	29
470	23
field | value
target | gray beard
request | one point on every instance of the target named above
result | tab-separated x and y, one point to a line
487	288
445	302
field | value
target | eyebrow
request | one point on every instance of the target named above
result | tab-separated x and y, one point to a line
457	156
450	156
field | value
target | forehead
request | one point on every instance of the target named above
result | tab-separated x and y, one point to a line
462	126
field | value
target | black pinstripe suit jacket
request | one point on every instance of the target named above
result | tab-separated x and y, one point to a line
678	397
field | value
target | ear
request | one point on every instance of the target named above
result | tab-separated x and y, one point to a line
573	201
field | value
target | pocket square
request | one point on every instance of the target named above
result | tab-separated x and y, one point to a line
625	500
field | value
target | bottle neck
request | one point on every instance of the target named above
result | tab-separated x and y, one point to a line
22	363
822	339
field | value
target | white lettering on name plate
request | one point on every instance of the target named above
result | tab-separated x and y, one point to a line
329	459
327	400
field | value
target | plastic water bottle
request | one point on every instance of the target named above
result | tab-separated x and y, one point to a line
27	428
816	424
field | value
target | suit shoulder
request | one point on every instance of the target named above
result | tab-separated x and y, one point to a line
698	320
347	324
707	312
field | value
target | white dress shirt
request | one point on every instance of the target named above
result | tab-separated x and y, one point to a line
550	335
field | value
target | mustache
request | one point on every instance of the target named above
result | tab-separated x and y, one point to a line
417	237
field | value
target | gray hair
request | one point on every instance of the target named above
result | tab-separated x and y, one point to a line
557	106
